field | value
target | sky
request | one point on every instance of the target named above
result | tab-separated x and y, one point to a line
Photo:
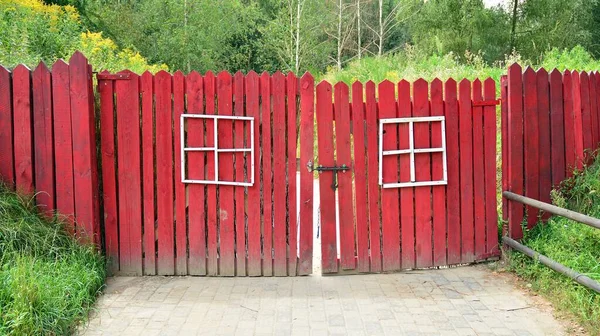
490	3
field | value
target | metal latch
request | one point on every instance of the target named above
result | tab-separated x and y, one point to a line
311	168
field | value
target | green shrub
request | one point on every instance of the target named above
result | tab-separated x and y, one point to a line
48	281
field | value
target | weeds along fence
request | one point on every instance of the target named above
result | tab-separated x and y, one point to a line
550	128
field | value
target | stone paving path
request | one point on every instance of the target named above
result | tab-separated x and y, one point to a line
457	301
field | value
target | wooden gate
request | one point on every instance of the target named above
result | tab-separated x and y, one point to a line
420	221
159	217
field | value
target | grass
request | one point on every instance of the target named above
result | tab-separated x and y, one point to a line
572	244
48	281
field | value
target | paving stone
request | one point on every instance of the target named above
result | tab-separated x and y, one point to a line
453	301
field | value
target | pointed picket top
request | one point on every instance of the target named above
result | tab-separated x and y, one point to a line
450	81
21	68
239	74
41	67
59	64
209	73
575	73
403	83
194	77
489	89
515	68
583	76
341	87
476	90
224	76
386	85
78	58
252	74
307	81
147	74
437	87
464	83
291	75
357	85
4	70
370	83
436	81
278	76
178	73
324	85
162	74
555	74
542	72
420	85
489	81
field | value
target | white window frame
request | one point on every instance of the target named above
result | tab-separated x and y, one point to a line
216	149
412	150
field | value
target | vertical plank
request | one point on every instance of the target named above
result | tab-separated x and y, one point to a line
466	172
22	123
504	149
292	141
254	236
390	220
453	164
407	203
423	213
147	101
307	129
239	192
196	163
437	174
594	112
129	179
545	140
596	85
84	147
478	173
578	135
372	176
489	147
63	151
225	173
181	234
267	174
326	149
532	143
557	130
360	177
515	148
212	267
164	173
586	117
6	129
343	157
279	165
569	122
43	139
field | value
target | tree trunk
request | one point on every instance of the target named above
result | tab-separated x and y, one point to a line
339	37
358	29
380	50
513	31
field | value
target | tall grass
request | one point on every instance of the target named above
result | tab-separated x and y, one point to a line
48	281
570	243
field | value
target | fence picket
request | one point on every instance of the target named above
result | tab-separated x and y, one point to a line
344	179
360	178
569	122
437	174
307	129
557	129
239	192
63	152
180	201
43	139
478	173
22	128
372	175
423	217
6	128
466	171
489	147
515	146
266	174
407	213
164	173
545	152
254	232
279	163
453	157
389	197
328	209
147	101
212	267
292	141
532	143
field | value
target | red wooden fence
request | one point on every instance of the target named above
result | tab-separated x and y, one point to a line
48	140
550	127
155	224
411	227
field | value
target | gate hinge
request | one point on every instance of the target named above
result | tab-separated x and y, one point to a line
101	76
